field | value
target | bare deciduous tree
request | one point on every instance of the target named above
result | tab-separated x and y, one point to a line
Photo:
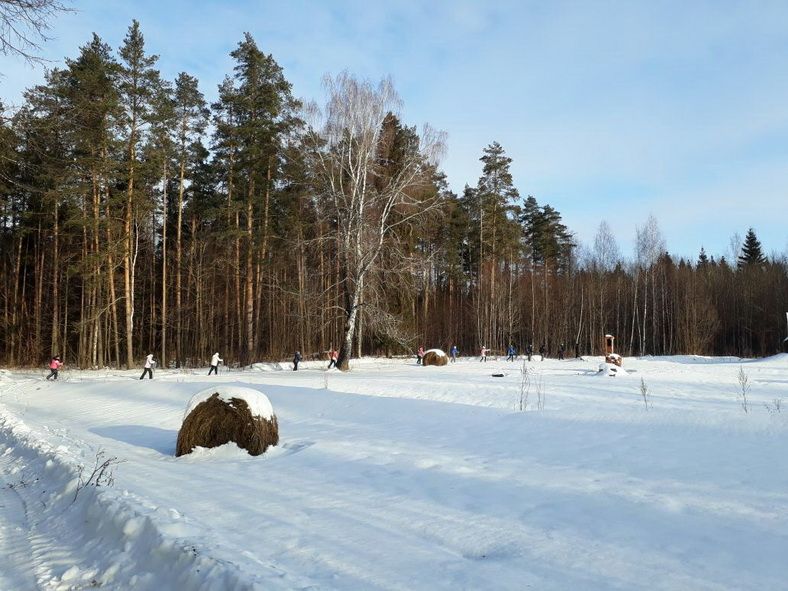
346	139
24	25
650	245
606	252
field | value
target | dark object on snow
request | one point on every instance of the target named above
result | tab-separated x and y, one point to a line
432	358
215	422
498	375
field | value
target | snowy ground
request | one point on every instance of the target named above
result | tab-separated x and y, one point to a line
400	477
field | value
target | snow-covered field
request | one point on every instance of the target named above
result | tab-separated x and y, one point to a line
401	477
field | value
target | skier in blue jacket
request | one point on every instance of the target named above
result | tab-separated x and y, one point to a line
510	353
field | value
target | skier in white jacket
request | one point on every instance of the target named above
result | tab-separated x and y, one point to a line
149	365
215	361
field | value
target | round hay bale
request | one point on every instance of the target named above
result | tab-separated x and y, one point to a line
434	357
217	416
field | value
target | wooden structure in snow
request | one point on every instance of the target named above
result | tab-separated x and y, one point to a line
610	353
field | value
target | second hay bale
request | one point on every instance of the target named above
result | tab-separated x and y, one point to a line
434	357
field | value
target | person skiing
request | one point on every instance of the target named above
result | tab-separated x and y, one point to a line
529	350
510	353
483	354
296	359
215	361
54	365
543	351
149	365
560	351
419	354
333	355
454	352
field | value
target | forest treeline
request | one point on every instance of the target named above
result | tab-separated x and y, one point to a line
136	218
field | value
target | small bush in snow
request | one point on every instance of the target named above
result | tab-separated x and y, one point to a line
644	393
103	473
540	392
744	389
775	407
525	386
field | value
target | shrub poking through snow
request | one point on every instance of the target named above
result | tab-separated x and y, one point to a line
220	415
435	357
644	393
101	475
744	389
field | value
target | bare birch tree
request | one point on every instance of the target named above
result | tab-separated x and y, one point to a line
24	25
345	140
650	244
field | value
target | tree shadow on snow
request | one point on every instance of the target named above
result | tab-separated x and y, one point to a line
160	440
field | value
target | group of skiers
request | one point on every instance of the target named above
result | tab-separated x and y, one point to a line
453	353
333	355
511	352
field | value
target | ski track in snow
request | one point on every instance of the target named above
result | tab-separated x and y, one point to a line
15	534
402	477
31	555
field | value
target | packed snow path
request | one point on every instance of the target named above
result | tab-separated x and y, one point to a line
16	568
401	477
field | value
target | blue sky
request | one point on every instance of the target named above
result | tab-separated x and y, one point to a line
610	110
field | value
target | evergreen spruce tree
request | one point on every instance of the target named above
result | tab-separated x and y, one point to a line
751	252
8	161
703	259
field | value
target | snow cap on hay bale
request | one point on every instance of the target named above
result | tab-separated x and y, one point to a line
217	416
611	369
434	357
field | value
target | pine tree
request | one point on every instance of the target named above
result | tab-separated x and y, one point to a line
494	213
191	117
262	113
93	108
139	82
158	157
751	252
703	259
497	197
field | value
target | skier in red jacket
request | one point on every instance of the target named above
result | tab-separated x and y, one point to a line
54	365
